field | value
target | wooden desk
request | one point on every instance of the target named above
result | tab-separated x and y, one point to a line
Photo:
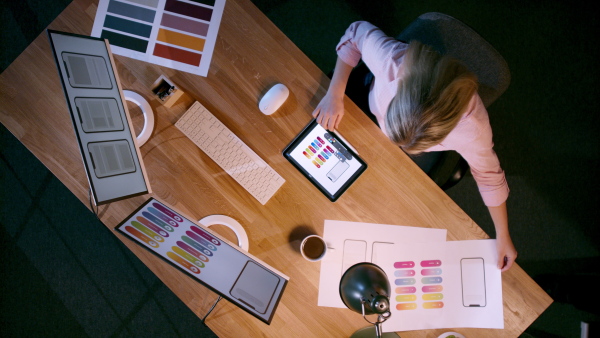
251	55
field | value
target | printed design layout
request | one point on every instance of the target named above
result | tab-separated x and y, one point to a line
409	286
320	151
180	33
193	249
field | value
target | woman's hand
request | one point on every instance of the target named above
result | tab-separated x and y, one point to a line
504	245
329	111
506	252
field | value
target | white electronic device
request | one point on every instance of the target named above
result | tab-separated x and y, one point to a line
230	152
273	99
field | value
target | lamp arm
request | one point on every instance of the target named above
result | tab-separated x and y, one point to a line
380	319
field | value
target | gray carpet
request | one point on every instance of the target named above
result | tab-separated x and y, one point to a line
544	130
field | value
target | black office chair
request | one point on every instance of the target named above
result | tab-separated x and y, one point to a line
449	36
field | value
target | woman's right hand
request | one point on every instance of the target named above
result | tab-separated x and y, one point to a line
329	111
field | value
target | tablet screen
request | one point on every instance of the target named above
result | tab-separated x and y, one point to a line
325	160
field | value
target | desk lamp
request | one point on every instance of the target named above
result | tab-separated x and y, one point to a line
365	289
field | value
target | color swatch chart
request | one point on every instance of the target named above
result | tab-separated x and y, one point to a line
418	284
236	275
179	34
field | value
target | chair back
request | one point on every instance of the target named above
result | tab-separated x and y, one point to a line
450	36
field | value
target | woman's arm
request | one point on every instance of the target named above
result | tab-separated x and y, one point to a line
506	250
330	110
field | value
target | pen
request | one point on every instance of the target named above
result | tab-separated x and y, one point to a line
346	142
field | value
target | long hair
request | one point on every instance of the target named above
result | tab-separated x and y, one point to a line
432	97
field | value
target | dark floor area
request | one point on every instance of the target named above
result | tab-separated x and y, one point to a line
545	129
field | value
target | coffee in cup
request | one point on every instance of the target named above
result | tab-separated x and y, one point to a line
313	248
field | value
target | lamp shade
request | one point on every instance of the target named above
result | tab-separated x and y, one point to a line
365	283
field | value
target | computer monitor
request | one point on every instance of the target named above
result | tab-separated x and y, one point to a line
102	124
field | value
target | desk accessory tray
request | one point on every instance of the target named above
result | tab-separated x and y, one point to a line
325	160
103	128
236	275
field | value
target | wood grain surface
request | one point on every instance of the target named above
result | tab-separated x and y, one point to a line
251	54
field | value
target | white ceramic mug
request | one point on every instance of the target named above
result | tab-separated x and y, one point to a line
313	248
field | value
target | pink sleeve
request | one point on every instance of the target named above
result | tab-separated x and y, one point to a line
381	53
477	149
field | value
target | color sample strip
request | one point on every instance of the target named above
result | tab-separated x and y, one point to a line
431	280
152	226
149	3
177	54
405	281
157	221
163	217
205	2
432	288
180	39
406	306
125	41
187	9
192	251
187	256
406	289
131	11
404	273
201	241
431	263
183	262
135	232
196	246
127	26
406	298
433	296
402	265
183	24
205	235
147	231
168	212
433	305
431	272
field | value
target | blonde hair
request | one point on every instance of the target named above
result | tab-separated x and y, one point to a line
432	97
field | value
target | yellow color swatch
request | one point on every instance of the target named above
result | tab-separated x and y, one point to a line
406	298
179	39
433	296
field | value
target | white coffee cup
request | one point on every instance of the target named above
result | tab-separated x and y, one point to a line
313	248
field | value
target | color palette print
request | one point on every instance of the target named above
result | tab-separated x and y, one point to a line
179	34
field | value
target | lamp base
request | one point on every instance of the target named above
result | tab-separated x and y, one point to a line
369	332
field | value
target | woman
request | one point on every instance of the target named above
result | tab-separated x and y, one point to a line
423	102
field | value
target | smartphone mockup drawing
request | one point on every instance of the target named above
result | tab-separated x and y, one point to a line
473	282
355	251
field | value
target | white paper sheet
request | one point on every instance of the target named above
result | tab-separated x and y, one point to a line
354	242
452	284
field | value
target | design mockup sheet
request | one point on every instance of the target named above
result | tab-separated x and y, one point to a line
434	283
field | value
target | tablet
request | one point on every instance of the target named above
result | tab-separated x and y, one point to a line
323	158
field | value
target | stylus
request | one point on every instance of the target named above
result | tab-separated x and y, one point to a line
346	142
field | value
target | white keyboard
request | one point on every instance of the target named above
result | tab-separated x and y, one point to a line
230	153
